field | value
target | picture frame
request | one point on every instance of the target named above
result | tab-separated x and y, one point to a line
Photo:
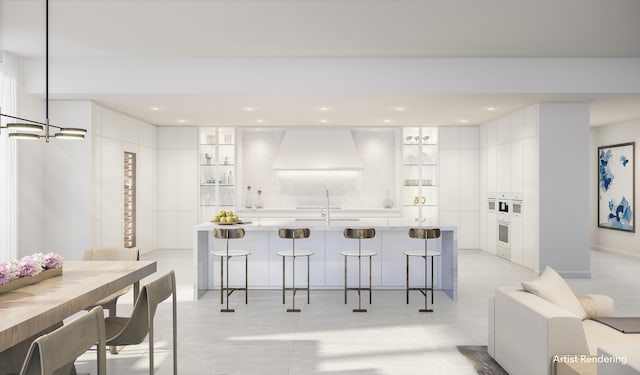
616	187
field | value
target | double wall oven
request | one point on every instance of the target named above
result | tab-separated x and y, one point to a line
507	205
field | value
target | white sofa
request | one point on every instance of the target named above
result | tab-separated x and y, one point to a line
526	332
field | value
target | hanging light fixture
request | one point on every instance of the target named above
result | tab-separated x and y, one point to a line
30	129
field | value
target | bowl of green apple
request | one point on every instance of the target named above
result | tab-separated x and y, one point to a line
226	218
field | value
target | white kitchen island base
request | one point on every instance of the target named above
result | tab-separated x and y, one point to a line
327	265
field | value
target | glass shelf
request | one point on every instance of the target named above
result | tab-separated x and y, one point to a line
419	165
216	164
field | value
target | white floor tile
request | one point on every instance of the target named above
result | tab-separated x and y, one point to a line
327	338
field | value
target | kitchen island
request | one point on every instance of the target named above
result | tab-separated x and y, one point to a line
327	265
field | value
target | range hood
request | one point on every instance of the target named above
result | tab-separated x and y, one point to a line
317	150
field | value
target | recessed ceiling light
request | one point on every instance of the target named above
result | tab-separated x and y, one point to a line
491	108
386	121
464	121
323	121
181	121
259	121
248	109
399	109
324	108
155	108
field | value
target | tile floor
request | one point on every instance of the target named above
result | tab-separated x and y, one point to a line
327	338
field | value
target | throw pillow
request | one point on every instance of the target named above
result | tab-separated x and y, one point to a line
551	287
589	305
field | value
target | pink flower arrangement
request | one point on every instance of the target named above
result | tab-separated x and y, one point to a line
4	274
28	266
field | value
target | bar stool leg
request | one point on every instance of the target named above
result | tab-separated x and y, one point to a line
359	309
432	285
246	279
370	288
227	309
345	279
283	279
221	280
308	280
293	287
407	283
426	260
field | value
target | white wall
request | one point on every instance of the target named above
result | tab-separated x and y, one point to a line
459	183
116	133
607	239
564	188
31	183
364	188
177	186
54	183
67	178
70	192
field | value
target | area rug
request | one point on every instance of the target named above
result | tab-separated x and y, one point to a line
481	360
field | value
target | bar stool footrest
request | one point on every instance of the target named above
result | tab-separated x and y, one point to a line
425	310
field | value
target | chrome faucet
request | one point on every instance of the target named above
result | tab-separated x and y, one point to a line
325	213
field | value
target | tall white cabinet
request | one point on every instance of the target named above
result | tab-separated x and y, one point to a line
509	168
216	171
420	175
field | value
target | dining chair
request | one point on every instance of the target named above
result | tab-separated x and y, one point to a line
113	253
122	331
55	352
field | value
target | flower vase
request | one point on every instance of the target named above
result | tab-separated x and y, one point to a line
24	281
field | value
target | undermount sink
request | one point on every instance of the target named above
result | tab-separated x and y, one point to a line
321	219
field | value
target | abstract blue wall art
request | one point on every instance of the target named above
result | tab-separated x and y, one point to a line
616	187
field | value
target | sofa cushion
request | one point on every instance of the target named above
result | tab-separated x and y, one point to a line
551	287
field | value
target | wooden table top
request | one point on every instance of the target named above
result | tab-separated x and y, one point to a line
31	309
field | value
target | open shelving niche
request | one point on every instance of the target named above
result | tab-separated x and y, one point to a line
216	171
420	191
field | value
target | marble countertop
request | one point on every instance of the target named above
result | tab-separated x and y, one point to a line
319	224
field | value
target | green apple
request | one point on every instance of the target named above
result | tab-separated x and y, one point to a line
216	219
235	218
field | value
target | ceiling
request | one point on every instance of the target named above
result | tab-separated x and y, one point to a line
126	30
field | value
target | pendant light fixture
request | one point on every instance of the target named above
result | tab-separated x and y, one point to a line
30	129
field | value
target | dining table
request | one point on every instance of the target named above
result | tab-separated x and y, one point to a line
29	311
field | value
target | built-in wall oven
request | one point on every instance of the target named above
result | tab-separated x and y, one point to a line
503	221
516	207
491	204
503	248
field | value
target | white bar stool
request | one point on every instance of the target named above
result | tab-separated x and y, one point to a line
294	234
425	234
226	234
359	234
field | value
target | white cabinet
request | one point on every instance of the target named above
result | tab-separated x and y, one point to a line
517	166
517	239
420	159
216	172
492	231
503	167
